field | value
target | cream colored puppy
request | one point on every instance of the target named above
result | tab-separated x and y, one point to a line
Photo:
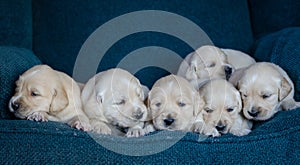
209	62
113	101
222	109
265	89
175	105
44	94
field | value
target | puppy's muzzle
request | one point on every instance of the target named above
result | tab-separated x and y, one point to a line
138	114
254	112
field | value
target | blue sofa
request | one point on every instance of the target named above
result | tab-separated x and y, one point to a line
56	32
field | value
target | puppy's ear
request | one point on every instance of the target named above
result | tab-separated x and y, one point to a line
285	89
143	92
191	72
239	100
228	69
59	100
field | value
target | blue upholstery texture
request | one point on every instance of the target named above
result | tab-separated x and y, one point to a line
275	141
283	49
16	23
13	62
61	27
263	16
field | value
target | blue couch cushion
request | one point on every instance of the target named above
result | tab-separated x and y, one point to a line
271	142
61	27
13	62
269	16
283	49
16	23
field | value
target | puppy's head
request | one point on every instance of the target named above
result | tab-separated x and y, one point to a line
208	62
262	88
222	105
121	97
173	103
38	90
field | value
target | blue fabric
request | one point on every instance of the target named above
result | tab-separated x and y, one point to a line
283	49
13	62
270	16
16	23
61	27
272	142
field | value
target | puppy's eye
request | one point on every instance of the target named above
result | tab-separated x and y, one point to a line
120	102
34	94
230	109
181	104
158	104
208	110
211	65
265	96
244	95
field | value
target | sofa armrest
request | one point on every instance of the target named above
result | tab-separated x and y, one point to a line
13	62
283	49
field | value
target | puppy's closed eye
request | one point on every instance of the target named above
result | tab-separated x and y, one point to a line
208	110
34	94
120	102
230	109
181	104
210	65
265	96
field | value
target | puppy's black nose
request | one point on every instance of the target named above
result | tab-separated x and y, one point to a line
220	127
169	121
253	112
15	106
228	72
138	115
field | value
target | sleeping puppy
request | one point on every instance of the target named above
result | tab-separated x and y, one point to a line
113	101
209	62
206	63
44	94
265	89
222	109
175	105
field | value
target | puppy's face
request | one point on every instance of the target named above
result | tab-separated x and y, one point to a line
262	88
121	97
222	105
208	62
34	92
173	103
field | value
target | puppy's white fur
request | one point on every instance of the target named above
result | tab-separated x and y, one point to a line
175	105
265	88
44	94
209	62
222	109
113	101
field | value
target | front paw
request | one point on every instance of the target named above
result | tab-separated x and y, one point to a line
37	116
81	126
135	132
101	128
241	132
198	127
211	132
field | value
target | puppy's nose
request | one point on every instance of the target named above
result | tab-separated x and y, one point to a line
138	115
169	121
15	106
254	112
220	127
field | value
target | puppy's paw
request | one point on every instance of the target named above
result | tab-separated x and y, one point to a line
198	127
102	129
81	126
240	132
211	132
135	132
37	116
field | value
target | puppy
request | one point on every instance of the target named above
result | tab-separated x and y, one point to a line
175	105
265	89
44	94
222	109
206	63
209	62
113	101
